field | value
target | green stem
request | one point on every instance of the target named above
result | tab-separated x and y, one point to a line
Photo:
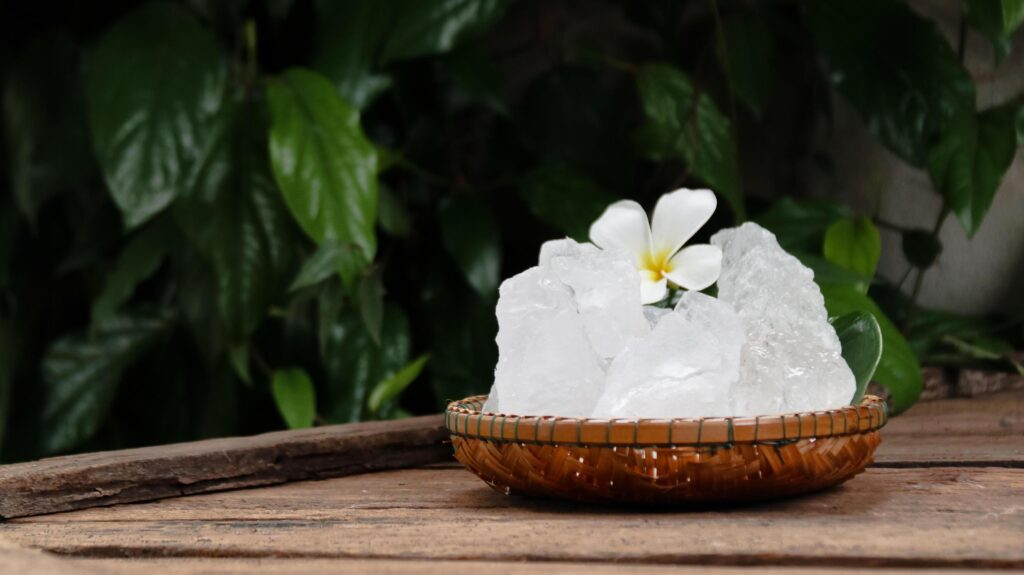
919	280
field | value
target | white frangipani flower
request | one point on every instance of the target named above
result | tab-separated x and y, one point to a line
655	249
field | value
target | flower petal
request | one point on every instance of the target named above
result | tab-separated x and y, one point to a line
695	267
652	290
623	225
678	216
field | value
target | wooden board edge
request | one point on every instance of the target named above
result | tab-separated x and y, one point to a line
129	476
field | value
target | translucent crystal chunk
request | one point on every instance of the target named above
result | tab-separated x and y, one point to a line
792	359
686	367
546	365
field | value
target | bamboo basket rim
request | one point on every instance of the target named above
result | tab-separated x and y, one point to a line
463	418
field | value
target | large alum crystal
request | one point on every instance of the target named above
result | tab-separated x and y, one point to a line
686	367
605	286
546	363
792	358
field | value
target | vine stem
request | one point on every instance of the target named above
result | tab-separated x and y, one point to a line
961	50
919	280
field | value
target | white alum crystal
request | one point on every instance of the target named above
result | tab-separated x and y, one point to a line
654	314
546	363
686	367
792	358
574	340
606	288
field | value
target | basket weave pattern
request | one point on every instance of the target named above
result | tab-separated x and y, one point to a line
666	461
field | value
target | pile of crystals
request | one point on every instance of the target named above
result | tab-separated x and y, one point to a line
575	341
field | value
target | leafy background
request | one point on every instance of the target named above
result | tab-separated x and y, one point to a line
227	217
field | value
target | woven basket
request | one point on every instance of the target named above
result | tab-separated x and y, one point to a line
665	461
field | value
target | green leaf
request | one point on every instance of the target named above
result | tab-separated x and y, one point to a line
462	332
238	355
898	370
861	338
393	386
683	121
470	235
854	244
154	82
393	217
997	20
354	38
234	216
748	56
371	304
330	258
81	373
969	162
423	28
349	36
920	247
44	113
324	165
295	398
565	200
573	116
944	338
826	272
354	364
800	225
139	260
895	67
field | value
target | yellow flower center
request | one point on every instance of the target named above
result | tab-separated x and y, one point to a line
656	264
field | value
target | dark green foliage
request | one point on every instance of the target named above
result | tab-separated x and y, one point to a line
898	369
295	398
154	83
565	200
969	161
81	373
997	19
854	244
895	67
471	237
228	217
325	167
861	338
683	122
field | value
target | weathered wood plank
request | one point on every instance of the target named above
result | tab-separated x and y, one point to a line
983	431
950	451
928	517
980	431
1000	414
206	566
106	478
17	559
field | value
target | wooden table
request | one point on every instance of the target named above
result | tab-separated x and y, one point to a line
946	494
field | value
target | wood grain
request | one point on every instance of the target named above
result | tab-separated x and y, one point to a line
945	494
17	559
930	517
960	432
207	566
984	431
107	478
